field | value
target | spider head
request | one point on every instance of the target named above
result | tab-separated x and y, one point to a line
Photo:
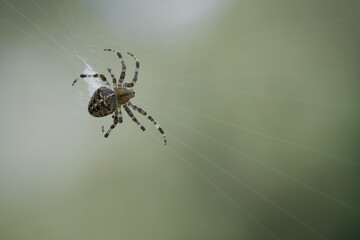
131	92
124	94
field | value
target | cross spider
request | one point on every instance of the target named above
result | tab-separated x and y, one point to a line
106	101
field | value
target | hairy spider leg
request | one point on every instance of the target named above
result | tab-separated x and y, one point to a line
120	115
100	76
116	120
143	112
137	66
74	82
112	76
131	115
123	70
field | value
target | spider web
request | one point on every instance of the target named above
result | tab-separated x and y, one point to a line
61	36
92	83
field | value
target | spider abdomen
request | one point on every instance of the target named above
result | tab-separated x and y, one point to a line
103	102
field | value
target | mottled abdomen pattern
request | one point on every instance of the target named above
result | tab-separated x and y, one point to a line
103	102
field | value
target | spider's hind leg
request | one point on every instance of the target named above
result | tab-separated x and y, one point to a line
143	112
74	81
97	75
116	120
120	115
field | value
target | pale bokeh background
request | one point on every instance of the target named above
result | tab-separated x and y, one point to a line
259	100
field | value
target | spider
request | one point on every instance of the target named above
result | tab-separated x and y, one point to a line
107	101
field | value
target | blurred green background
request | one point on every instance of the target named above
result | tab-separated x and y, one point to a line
259	101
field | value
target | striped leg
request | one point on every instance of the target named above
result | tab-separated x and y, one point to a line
112	76
136	72
133	117
123	71
120	115
143	112
101	76
74	82
116	120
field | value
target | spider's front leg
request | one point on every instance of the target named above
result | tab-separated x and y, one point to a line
137	66
123	70
143	112
131	115
112	76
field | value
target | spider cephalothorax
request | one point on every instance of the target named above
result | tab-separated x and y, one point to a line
106	101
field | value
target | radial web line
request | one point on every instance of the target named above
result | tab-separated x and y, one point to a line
262	95
266	166
227	196
259	133
37	27
62	15
246	185
44	32
50	19
33	38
